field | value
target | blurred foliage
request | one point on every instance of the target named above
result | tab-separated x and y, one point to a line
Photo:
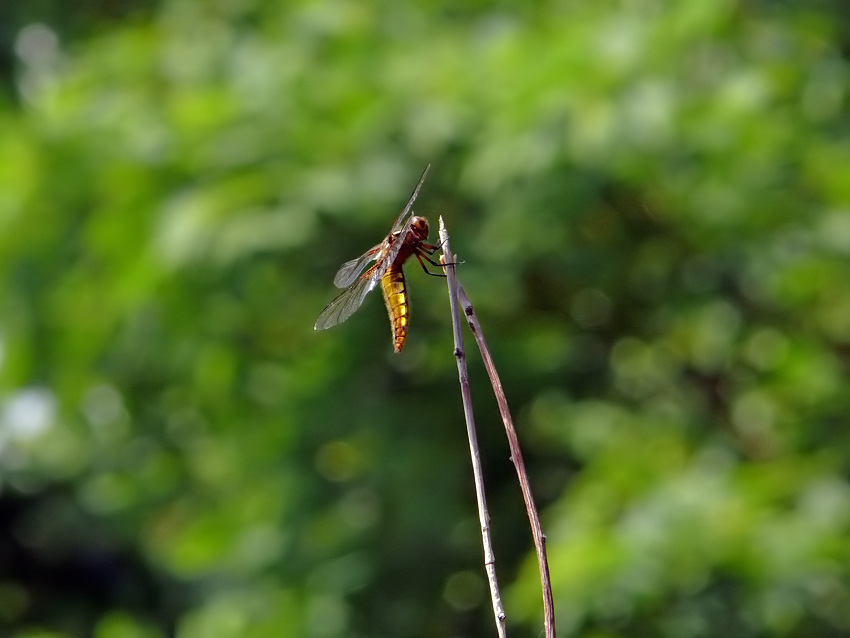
652	203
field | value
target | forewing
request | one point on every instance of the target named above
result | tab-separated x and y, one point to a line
404	212
348	301
348	272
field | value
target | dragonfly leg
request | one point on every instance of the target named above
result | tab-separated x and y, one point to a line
430	248
419	257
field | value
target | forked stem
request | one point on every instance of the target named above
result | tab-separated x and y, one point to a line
466	396
457	296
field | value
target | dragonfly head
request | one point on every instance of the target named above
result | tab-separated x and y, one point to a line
419	228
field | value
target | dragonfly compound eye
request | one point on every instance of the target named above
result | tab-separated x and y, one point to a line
419	225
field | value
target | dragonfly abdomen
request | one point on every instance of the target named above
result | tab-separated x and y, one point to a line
398	305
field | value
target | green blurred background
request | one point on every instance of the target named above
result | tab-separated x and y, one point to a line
652	203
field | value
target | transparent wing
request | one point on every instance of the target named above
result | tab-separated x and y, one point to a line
348	272
349	300
404	211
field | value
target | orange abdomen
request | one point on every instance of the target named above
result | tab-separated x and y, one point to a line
395	295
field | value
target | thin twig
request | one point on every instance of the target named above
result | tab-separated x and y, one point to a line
460	356
516	456
513	441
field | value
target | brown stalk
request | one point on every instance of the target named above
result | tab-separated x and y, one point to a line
466	397
458	295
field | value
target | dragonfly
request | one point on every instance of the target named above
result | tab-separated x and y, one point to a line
408	238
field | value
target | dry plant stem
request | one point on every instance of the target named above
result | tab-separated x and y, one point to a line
460	356
516	456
